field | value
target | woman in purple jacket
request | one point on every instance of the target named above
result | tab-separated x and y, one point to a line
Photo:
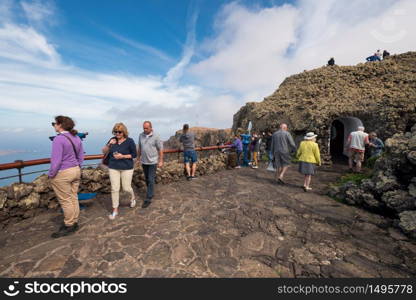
65	172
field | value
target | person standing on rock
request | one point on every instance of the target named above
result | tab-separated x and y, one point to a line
282	147
150	153
65	172
356	148
308	156
121	151
189	154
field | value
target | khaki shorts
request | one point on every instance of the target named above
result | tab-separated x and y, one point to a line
356	156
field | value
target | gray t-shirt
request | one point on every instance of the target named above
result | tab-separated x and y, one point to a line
187	139
149	146
282	142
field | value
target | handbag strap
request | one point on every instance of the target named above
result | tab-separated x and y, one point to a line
73	146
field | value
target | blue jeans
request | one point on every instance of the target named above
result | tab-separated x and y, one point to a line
149	175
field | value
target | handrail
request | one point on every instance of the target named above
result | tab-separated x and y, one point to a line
19	164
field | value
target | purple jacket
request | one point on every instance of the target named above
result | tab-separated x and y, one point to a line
238	145
63	156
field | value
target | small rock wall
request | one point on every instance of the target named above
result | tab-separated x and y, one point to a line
24	200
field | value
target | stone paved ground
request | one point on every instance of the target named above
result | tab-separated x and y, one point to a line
236	223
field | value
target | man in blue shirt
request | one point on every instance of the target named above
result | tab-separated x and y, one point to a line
246	140
376	145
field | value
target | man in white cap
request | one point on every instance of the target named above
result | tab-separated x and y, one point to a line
356	148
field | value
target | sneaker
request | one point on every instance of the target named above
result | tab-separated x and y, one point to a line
307	189
238	167
188	178
67	230
133	203
255	167
146	204
113	215
193	177
280	181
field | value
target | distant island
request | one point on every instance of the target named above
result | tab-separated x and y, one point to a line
7	152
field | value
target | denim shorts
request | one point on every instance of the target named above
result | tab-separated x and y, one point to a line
190	156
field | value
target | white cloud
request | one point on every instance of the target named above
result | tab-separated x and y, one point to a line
253	50
37	11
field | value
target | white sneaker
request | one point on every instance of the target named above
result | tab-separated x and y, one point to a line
113	215
133	203
238	167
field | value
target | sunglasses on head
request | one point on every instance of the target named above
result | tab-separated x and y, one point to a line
117	132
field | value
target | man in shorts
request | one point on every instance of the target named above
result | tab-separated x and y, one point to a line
189	154
356	148
282	146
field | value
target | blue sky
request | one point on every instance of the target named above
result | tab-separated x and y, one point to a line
173	62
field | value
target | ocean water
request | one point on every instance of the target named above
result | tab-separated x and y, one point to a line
35	146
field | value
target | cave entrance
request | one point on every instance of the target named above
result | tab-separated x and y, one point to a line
340	130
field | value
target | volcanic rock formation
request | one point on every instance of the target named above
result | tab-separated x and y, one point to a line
333	101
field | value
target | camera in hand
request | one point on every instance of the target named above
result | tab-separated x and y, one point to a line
82	136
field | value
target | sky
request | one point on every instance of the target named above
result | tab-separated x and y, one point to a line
172	62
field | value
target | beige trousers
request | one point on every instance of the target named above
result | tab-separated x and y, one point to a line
125	176
65	185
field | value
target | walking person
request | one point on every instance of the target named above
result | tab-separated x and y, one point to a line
238	145
150	153
65	172
282	147
255	151
189	154
356	148
308	156
121	151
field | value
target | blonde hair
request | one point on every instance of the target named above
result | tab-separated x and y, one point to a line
121	127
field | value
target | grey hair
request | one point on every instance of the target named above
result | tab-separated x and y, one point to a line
361	128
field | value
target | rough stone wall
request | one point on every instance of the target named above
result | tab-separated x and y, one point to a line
20	201
203	137
392	188
381	94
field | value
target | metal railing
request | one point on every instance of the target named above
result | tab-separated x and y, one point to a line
20	164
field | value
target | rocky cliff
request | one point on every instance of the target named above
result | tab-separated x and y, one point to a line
392	188
203	137
382	95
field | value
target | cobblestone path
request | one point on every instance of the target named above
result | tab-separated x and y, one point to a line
236	223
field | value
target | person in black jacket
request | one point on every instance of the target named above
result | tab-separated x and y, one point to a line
331	62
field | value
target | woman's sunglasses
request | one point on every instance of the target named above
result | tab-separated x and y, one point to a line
53	123
117	132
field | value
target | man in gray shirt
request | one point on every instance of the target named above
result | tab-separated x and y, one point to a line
150	154
282	146
189	154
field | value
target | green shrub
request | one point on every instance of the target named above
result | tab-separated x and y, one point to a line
353	177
